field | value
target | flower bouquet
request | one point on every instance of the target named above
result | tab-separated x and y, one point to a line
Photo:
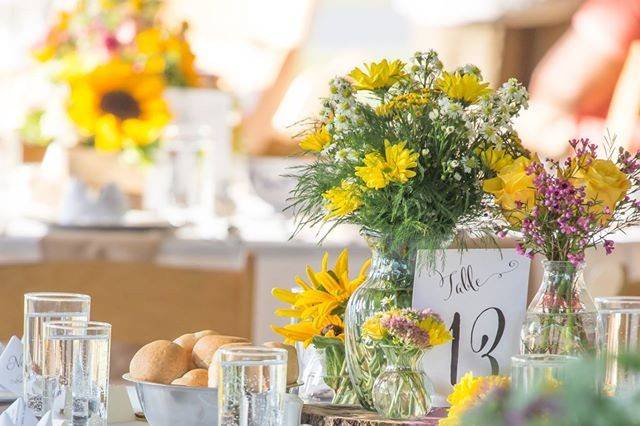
403	390
318	309
397	151
561	209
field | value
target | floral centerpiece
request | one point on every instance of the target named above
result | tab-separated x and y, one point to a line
318	309
397	151
403	390
561	209
116	57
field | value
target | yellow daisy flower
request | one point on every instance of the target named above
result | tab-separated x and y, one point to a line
438	332
463	87
380	75
342	200
326	293
118	106
374	173
468	392
495	159
316	141
400	161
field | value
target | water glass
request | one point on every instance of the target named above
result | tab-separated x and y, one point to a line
252	386
532	372
77	364
40	308
621	320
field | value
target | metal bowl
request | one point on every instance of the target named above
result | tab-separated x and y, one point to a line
170	405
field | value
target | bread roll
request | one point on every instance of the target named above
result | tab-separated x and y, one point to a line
207	346
215	363
194	378
161	361
292	360
187	341
200	334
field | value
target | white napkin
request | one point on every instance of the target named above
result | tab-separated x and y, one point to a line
11	366
80	208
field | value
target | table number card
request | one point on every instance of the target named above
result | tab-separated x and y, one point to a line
481	296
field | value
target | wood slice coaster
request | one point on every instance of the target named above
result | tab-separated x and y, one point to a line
333	415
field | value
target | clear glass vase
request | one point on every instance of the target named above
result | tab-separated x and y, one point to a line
389	285
402	391
337	377
562	318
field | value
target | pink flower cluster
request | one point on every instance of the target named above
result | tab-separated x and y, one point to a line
403	326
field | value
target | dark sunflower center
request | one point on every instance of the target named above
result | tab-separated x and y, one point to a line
331	327
121	104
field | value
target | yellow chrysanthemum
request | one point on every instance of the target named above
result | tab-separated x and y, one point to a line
438	332
374	173
463	87
118	106
395	166
468	392
326	292
316	141
400	162
495	159
342	200
304	331
373	329
380	75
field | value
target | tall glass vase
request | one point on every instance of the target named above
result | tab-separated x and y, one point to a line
562	318
389	285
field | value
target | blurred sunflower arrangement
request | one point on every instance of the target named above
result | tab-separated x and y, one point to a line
317	307
398	149
117	57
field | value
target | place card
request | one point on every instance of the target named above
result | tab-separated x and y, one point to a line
481	296
18	415
11	366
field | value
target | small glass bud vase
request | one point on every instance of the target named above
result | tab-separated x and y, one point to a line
562	318
402	391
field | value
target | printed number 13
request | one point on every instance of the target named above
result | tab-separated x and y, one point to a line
484	340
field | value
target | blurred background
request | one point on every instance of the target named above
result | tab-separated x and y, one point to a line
144	143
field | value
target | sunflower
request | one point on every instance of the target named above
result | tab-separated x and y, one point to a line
304	331
326	293
380	75
467	88
468	392
342	200
118	106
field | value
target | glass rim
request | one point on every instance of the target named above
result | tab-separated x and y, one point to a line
78	325
252	351
57	297
622	303
543	359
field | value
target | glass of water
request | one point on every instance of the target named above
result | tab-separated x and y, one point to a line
534	372
40	308
621	320
77	363
252	386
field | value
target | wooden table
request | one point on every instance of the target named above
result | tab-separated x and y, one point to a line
331	415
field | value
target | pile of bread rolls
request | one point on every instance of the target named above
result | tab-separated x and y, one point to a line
190	359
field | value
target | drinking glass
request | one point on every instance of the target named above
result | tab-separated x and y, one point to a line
621	320
533	372
77	363
252	386
40	308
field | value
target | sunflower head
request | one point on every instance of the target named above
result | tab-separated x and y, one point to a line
467	88
378	75
118	106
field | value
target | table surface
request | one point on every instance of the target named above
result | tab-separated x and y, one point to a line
331	415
